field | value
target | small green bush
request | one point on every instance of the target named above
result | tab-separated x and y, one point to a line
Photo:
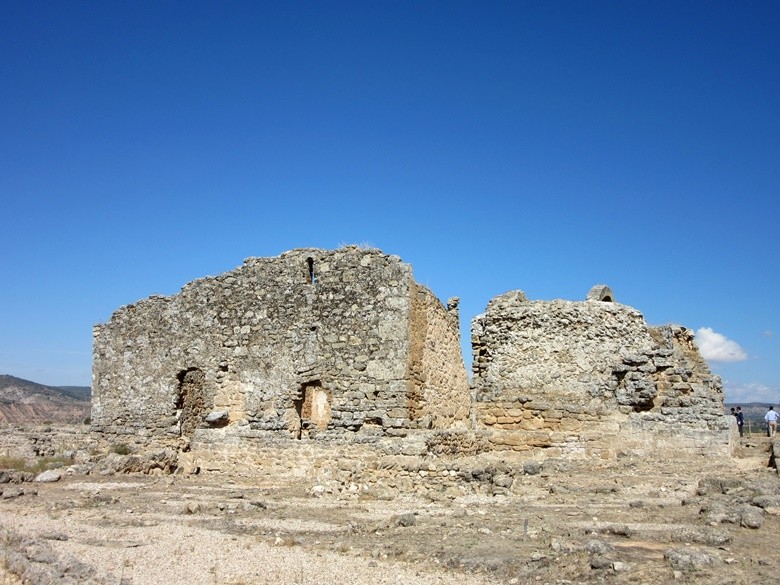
121	449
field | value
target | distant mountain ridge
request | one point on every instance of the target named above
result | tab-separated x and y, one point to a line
26	402
751	410
78	392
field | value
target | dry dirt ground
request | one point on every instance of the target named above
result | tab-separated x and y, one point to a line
626	521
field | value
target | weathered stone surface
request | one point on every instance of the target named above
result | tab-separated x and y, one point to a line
457	442
13	476
406	519
343	347
48	476
601	292
689	559
767	501
160	460
218	417
34	561
707	536
532	467
751	516
578	375
12	492
309	344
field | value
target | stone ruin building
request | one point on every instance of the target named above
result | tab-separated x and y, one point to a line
591	377
310	344
343	351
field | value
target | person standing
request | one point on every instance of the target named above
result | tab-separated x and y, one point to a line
771	418
740	420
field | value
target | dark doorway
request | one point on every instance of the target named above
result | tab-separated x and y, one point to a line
190	400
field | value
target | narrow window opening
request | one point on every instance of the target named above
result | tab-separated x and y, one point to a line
299	421
312	276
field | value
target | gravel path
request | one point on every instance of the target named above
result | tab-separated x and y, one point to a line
174	553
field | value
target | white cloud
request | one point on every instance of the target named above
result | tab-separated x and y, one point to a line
752	392
717	347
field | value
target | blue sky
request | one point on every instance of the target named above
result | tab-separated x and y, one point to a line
542	146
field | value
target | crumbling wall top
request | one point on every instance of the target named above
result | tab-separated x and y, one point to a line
601	292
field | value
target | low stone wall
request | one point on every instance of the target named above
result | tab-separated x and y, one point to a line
34	441
384	469
434	463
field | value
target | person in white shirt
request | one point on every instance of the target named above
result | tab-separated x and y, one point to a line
771	418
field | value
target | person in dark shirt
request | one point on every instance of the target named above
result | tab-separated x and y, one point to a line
740	420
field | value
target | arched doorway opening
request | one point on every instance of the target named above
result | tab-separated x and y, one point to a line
313	408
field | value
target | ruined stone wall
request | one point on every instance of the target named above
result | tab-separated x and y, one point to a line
310	343
344	346
686	393
590	378
31	441
439	393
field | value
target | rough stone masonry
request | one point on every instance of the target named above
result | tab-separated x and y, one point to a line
343	347
591	377
311	344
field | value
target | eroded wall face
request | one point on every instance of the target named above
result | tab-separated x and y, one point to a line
335	323
535	360
586	375
438	388
687	392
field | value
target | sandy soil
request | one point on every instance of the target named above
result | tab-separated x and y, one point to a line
620	522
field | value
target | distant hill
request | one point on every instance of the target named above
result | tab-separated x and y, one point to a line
26	402
78	392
